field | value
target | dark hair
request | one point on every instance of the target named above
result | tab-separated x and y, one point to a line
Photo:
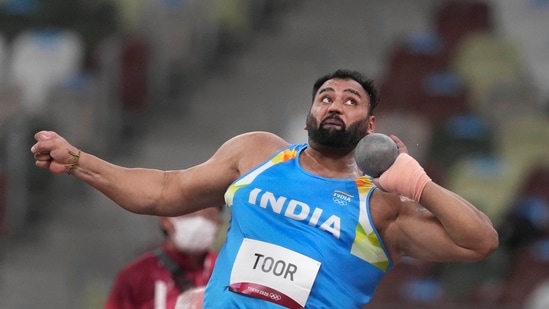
366	83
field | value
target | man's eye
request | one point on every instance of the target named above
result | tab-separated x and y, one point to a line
350	102
326	100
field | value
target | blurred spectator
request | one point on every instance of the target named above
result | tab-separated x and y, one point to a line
184	261
191	299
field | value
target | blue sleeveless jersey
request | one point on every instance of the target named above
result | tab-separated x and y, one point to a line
297	240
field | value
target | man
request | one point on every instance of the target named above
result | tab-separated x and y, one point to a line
307	229
183	262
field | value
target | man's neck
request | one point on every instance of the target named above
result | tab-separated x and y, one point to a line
329	163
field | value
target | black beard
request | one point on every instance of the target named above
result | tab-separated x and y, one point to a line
343	138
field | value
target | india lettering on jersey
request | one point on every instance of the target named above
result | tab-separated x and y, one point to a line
341	198
296	210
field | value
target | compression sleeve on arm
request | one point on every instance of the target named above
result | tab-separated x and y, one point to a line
405	177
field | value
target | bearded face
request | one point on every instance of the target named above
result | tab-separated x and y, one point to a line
333	132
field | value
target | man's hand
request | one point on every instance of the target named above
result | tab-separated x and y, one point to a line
405	177
54	153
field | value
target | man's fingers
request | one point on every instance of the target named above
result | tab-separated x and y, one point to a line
42	156
45	164
52	166
42	135
39	149
400	144
42	138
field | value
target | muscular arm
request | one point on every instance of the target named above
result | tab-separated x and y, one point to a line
446	229
157	192
466	226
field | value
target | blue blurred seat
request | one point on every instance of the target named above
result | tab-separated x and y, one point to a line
462	135
409	61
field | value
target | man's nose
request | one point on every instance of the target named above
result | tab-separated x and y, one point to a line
336	106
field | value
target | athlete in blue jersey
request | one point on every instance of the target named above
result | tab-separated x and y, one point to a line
308	229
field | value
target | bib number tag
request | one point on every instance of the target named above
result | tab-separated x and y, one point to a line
273	273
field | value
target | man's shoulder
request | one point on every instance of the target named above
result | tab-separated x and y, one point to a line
252	148
260	137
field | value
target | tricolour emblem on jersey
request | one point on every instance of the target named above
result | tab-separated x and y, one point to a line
367	244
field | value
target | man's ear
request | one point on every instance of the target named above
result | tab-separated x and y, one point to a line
371	124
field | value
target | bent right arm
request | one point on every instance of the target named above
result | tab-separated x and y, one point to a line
152	191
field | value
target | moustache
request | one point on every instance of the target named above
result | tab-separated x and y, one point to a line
332	120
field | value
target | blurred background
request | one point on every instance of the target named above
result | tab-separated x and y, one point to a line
163	83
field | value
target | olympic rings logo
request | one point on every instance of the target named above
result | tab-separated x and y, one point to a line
275	297
339	201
